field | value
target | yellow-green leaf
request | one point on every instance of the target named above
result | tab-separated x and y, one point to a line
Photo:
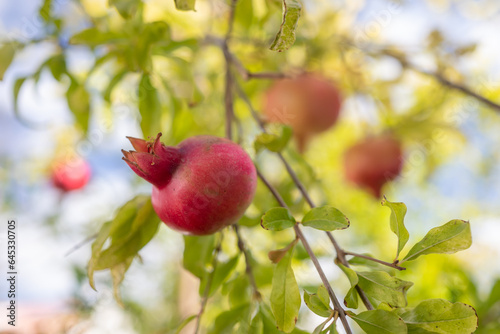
398	212
277	219
326	218
286	35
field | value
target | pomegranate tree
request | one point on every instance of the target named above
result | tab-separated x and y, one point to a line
373	162
200	186
309	103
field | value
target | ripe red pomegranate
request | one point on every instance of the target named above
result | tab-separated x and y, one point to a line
71	174
308	103
373	162
200	186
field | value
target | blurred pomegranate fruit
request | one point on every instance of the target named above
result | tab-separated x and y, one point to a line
373	162
309	104
71	174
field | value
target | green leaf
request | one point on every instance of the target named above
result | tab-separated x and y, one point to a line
277	219
323	295
221	273
97	245
93	37
257	324
126	8
379	322
17	88
185	5
441	316
316	305
351	298
398	212
244	13
79	103
276	255
112	84
319	329
45	10
117	275
185	322
449	238
273	142
286	35
383	287
326	218
129	235
7	53
225	322
57	66
285	295
149	107
198	253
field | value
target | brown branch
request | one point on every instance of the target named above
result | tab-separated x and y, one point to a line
388	264
206	291
441	79
340	252
315	261
248	266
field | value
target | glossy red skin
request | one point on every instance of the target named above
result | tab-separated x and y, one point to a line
309	103
373	162
71	175
210	184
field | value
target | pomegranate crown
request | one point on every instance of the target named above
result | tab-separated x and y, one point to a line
152	160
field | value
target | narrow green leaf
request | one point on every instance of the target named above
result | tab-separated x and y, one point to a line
286	35
319	329
7	53
222	272
17	88
316	305
449	238
351	298
398	212
126	8
79	103
198	253
285	295
277	219
45	10
97	245
441	316
117	275
383	287
185	322
93	37
185	5
379	322
149	107
273	142
326	218
112	84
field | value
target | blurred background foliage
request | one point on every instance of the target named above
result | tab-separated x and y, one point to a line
86	73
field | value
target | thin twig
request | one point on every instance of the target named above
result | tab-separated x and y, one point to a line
206	291
441	79
315	261
248	265
388	264
80	244
340	252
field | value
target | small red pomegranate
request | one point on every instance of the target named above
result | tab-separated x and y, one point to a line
373	162
71	174
308	103
200	186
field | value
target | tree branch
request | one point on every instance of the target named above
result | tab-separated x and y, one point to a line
315	261
388	264
206	291
248	266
